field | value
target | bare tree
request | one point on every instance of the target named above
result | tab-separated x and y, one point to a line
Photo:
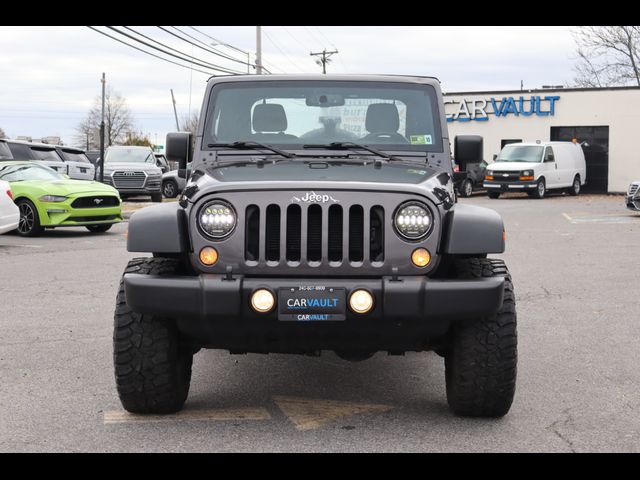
190	123
607	56
118	121
2	134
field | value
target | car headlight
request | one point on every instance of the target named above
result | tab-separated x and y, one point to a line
217	219
52	198
527	173
413	220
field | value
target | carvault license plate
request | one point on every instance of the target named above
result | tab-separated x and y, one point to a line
310	303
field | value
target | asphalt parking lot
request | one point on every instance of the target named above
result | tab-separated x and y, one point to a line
575	264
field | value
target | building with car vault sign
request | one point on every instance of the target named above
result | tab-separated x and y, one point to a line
607	119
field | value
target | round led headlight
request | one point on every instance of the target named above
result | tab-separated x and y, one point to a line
413	220
217	219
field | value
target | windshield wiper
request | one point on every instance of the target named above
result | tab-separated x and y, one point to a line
253	146
354	146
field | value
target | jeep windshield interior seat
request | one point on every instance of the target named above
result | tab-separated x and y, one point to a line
270	122
382	123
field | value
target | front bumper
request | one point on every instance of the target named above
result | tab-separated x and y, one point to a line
62	214
632	203
515	186
213	298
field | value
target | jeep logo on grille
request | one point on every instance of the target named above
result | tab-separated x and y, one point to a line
313	197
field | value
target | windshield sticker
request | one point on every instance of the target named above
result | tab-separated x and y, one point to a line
421	140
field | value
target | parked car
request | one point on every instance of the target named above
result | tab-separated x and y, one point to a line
161	162
172	184
38	152
132	171
9	212
78	165
632	199
47	199
536	168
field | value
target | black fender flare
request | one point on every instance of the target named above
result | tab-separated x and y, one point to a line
158	229
471	230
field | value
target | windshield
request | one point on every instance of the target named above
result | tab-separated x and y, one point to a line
79	157
16	173
5	153
294	113
521	153
127	155
46	154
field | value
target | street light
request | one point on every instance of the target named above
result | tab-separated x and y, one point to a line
248	54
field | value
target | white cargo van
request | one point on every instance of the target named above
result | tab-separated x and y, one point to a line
536	168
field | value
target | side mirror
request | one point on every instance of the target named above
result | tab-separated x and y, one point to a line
467	149
495	156
178	149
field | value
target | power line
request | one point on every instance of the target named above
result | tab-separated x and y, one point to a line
144	51
184	56
282	51
333	45
207	49
218	41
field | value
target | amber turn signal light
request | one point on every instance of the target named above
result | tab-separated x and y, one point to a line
208	256
527	178
420	257
488	177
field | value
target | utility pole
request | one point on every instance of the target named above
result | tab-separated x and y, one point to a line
259	50
104	81
324	58
175	113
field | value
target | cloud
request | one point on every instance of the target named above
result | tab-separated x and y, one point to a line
51	75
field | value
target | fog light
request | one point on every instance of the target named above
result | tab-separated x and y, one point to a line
421	257
262	300
361	301
208	256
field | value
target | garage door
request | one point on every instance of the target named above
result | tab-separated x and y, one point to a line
596	153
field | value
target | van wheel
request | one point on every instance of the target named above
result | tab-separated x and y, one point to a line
575	187
493	194
541	189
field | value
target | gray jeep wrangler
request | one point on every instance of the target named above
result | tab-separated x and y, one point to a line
319	214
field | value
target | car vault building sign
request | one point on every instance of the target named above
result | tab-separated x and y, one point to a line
479	109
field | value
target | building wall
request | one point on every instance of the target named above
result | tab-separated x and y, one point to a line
619	109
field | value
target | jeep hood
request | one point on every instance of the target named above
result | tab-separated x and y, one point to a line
323	171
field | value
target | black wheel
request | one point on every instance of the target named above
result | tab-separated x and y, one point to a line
575	186
170	189
466	189
152	368
480	363
98	228
156	197
493	194
29	224
540	190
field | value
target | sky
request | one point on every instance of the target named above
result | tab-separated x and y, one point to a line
50	76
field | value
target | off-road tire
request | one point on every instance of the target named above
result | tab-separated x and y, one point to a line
99	228
156	197
152	369
493	194
480	363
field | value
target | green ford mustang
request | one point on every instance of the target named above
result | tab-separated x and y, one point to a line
48	199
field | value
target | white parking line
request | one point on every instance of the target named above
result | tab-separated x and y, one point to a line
218	414
577	218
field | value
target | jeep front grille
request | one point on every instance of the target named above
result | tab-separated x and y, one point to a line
633	188
334	234
128	179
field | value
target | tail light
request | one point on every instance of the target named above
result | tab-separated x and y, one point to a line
10	194
456	169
